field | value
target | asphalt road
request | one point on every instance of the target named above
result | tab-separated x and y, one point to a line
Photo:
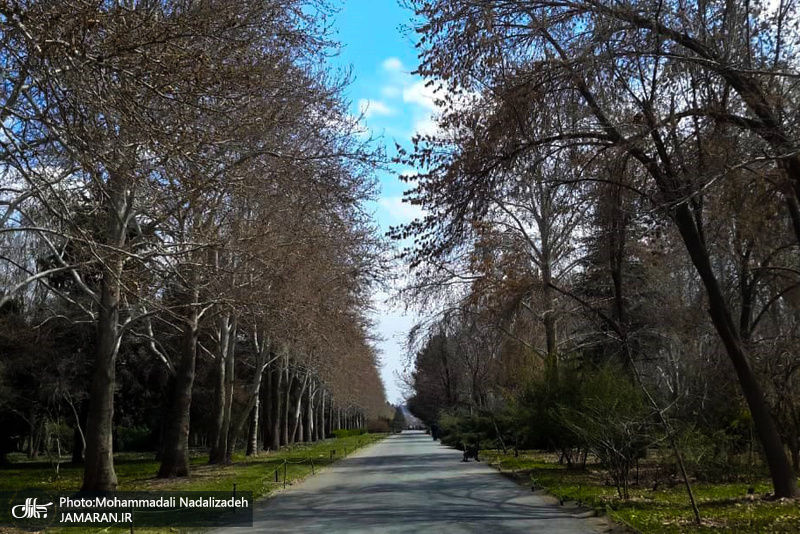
409	483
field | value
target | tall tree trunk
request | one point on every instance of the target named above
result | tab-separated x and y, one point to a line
223	331
321	417
550	331
98	473
673	191
224	384
277	379
175	448
326	430
289	380
783	479
252	443
331	415
617	242
297	437
309	430
543	216
266	418
225	431
251	403
219	403
298	406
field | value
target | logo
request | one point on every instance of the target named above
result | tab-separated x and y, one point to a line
30	510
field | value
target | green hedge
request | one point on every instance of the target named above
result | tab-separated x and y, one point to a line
343	433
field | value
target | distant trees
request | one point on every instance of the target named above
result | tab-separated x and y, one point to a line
186	179
399	421
667	132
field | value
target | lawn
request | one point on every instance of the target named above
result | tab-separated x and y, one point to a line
724	507
136	472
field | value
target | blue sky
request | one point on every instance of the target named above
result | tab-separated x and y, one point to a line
395	104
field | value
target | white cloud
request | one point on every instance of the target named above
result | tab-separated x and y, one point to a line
426	126
399	211
420	94
390	91
370	108
392	64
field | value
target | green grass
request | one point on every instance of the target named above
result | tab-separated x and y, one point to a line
136	472
724	507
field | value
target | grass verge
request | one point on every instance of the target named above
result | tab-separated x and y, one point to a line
724	507
136	472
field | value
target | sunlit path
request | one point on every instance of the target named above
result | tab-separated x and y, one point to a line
409	483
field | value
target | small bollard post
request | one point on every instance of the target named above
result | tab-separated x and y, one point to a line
234	497
312	467
333	451
284	474
276	474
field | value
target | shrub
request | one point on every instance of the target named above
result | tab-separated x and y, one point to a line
58	432
612	419
134	439
347	433
540	410
460	430
378	426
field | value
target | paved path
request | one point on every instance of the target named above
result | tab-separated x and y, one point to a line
409	483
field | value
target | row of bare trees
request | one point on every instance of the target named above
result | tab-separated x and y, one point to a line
619	180
184	178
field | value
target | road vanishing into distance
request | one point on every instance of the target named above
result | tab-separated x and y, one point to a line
410	483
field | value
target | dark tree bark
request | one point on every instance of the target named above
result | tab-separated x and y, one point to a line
784	481
175	449
267	411
320	426
617	236
550	318
277	381
219	402
331	418
310	426
250	409
227	349
289	380
98	473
